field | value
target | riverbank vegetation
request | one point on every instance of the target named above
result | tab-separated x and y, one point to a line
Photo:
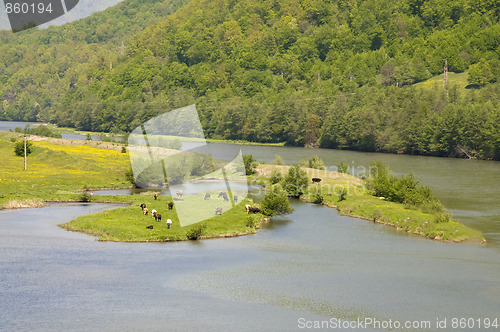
407	206
327	73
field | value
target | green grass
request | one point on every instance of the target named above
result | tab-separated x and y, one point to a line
360	203
57	171
436	83
129	224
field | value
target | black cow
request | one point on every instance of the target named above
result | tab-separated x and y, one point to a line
253	209
316	180
155	196
170	205
143	206
149	227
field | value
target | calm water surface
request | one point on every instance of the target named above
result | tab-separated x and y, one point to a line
313	264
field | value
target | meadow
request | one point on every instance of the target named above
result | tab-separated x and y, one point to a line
58	170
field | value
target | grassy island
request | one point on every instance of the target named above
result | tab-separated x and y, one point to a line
351	196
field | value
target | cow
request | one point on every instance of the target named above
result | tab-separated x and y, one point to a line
143	206
157	217
316	180
170	205
153	212
253	210
179	193
155	196
224	195
218	210
149	227
145	211
236	198
207	196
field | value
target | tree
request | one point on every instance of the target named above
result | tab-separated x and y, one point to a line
19	148
250	164
276	202
480	73
296	181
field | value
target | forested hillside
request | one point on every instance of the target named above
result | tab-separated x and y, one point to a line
335	73
37	68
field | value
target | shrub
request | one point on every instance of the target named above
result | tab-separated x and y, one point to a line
88	137
442	218
250	164
41	130
277	160
342	167
405	189
296	181
342	195
129	174
315	162
196	231
124	149
318	198
276	202
253	220
85	196
276	177
19	148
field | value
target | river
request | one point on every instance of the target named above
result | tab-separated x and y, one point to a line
311	265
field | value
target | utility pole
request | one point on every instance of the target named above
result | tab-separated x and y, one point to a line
445	76
24	151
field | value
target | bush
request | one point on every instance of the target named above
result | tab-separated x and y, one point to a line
315	162
250	164
196	231
296	181
442	218
277	160
318	198
85	196
124	149
405	189
342	168
253	221
276	177
276	202
19	148
41	130
342	195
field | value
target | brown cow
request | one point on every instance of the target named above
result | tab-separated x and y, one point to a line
170	205
207	196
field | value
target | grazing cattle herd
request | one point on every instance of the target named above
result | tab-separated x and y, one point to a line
179	194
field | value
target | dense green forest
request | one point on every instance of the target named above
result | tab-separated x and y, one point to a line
332	73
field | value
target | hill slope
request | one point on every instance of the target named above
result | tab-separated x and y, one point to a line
309	72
